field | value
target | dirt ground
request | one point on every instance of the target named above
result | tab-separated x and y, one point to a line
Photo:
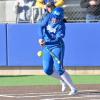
86	92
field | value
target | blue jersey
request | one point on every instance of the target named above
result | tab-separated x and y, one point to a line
52	33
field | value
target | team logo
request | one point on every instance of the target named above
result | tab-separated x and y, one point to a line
51	29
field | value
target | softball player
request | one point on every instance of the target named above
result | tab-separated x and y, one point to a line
44	4
51	37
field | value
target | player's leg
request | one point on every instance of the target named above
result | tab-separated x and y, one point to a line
66	77
59	52
48	68
59	67
57	76
47	62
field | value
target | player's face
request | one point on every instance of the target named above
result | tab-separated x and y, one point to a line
54	20
49	9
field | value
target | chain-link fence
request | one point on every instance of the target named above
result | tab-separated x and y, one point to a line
74	13
72	8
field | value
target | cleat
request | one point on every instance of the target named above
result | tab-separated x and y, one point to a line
73	92
64	86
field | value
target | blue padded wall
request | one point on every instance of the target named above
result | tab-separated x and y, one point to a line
82	44
3	57
23	45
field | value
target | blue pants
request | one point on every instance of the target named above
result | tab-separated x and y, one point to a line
49	63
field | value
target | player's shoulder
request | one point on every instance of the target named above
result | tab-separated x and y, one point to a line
45	20
47	17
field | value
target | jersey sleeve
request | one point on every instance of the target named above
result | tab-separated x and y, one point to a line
43	25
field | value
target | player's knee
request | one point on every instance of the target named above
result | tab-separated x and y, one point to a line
48	72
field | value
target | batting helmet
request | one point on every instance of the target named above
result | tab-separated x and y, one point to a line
58	13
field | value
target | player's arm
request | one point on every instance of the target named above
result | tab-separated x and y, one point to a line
59	3
42	27
40	4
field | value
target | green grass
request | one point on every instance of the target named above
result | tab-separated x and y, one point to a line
45	80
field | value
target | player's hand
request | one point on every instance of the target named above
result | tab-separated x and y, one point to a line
92	3
41	42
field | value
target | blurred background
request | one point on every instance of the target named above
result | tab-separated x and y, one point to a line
73	11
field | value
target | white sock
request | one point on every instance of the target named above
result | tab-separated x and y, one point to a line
64	85
68	80
55	75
